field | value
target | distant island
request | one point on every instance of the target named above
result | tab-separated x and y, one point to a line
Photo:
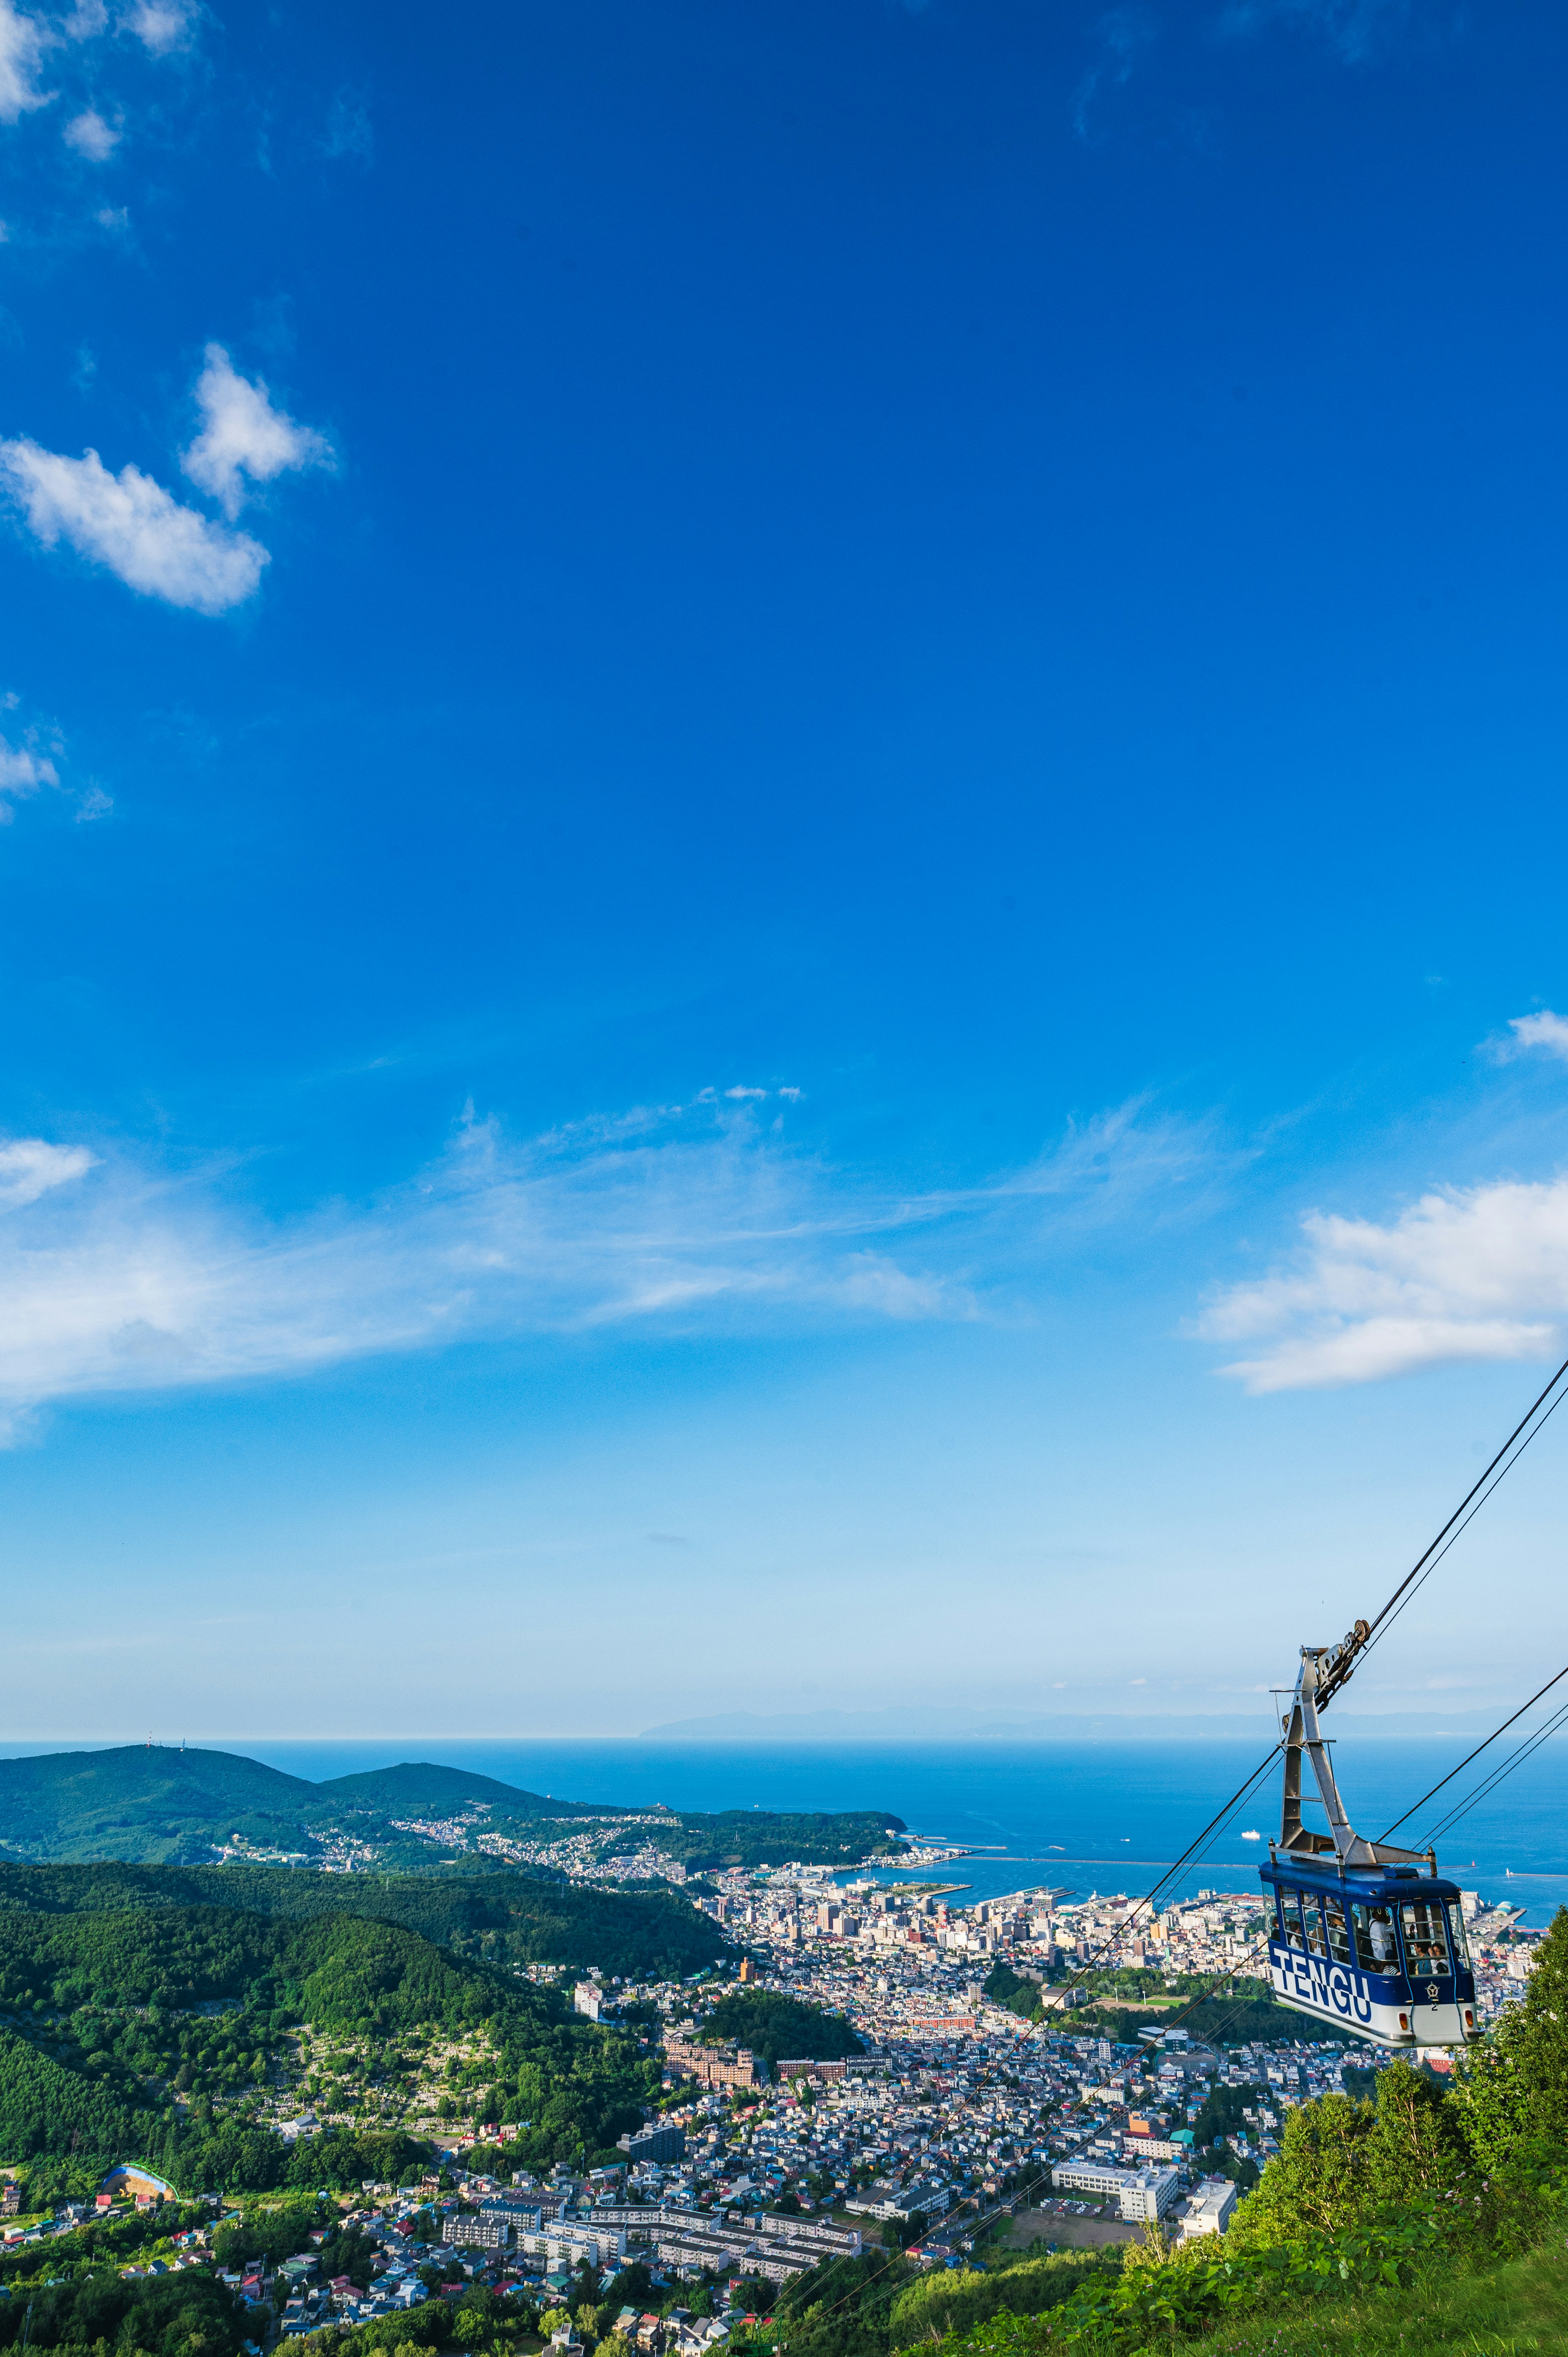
154	1805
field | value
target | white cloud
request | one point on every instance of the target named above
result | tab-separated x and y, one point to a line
133	525
243	434
91	136
1467	1273
1546	1031
685	1217
23	41
22	773
135	1281
29	1167
160	25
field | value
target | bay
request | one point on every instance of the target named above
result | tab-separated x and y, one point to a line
1101	1815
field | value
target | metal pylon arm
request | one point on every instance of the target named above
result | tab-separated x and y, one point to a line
1324	1666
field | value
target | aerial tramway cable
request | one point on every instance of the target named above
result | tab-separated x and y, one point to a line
1458	1521
1516	1759
1464	1763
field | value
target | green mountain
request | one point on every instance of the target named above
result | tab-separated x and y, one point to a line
140	1801
159	1806
421	1788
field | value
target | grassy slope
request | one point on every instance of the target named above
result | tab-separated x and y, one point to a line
1521	2306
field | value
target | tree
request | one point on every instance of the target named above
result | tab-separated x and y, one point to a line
1417	2145
1321	2176
1512	2092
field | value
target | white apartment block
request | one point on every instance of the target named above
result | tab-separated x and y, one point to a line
1143	2193
1209	2209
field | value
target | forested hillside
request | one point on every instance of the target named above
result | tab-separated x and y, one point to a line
175	2033
495	1916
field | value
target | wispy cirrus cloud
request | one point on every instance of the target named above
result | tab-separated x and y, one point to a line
117	1276
1121	37
1352	29
161	26
30	755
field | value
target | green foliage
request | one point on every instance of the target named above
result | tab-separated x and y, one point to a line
101	2240
1157	2298
427	2326
775	2027
272	2234
952	2300
1441	2310
171	2316
498	1917
1342	2163
843	2309
1320	2176
1004	1986
1513	2090
1247	2018
746	1837
146	1999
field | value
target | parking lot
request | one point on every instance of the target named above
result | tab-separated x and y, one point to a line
1071	2225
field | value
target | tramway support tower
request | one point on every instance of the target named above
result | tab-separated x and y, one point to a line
1364	1937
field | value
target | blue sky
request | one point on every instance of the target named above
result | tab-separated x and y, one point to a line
783	884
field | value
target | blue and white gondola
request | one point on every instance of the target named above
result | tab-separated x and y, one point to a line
1364	1937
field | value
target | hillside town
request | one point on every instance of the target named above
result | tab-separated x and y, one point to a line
956	2120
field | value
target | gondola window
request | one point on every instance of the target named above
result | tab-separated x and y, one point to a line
1339	1932
1456	1933
1424	1944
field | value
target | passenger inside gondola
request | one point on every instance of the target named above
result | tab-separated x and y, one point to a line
1424	1944
1377	1950
1290	1920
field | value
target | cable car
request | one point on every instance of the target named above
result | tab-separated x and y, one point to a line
1364	1937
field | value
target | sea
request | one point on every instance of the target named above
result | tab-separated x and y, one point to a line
1072	1816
